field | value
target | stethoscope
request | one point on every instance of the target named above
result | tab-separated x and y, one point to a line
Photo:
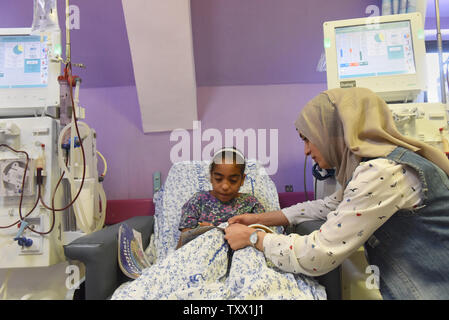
322	174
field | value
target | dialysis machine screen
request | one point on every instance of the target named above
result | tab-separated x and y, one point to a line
386	54
364	51
29	70
23	62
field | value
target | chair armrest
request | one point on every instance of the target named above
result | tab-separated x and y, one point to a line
99	253
331	280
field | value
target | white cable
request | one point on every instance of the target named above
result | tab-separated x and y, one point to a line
102	195
104	162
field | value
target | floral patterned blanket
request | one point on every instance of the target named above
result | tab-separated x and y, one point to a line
206	268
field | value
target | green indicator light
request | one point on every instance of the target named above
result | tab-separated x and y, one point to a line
421	34
327	42
58	50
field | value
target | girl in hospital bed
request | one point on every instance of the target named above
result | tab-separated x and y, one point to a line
211	208
205	268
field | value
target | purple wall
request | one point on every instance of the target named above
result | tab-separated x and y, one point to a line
264	41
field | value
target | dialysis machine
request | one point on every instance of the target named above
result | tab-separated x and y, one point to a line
50	189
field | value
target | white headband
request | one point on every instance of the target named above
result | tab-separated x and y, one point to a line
223	150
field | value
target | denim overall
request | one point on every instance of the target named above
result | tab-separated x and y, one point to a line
411	249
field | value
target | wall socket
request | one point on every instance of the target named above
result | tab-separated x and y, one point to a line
288	188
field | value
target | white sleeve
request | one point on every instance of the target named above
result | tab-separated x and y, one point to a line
312	210
377	190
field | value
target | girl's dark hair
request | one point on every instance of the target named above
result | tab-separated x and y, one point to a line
224	155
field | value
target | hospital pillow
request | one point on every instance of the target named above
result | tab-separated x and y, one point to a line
183	181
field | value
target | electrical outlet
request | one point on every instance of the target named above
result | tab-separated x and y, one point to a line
288	188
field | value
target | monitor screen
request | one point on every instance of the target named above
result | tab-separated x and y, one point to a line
23	61
370	51
383	53
29	70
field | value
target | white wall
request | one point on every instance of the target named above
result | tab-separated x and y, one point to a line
160	38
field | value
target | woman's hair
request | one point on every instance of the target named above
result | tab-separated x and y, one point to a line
228	156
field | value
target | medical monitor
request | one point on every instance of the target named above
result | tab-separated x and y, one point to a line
385	54
28	74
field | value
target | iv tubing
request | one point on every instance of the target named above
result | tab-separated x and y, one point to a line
104	162
440	53
305	184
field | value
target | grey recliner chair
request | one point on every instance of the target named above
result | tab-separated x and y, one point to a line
99	253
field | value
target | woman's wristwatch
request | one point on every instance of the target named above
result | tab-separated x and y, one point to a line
254	237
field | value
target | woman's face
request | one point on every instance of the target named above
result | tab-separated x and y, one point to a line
226	181
311	150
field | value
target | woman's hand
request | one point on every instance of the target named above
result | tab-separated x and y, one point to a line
237	236
246	219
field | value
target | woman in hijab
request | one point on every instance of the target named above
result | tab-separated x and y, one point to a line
394	198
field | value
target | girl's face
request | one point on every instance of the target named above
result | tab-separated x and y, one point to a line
311	150
226	181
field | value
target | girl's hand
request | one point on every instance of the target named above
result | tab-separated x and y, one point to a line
246	219
237	236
